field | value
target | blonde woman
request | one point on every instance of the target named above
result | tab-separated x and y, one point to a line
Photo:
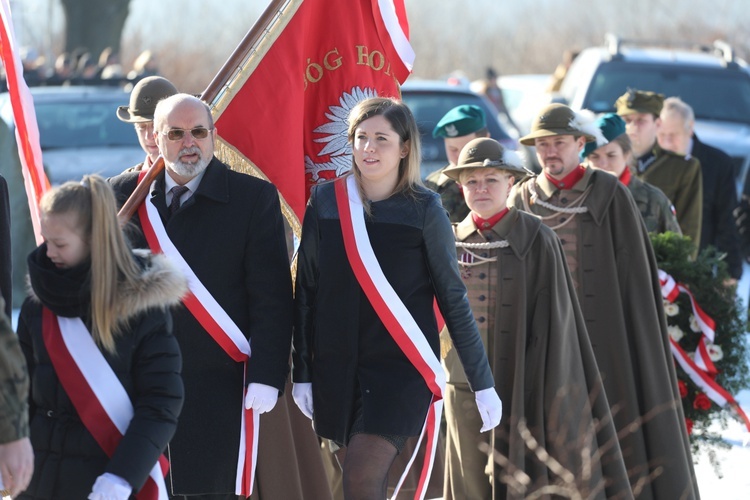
376	249
97	336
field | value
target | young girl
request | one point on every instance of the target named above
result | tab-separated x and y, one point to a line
105	368
376	249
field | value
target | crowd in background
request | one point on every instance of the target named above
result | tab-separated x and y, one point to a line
82	67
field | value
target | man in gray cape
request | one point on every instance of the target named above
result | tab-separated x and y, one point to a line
614	270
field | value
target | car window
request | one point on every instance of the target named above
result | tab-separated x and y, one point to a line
429	107
82	124
714	93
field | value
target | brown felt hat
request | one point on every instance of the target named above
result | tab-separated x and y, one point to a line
485	152
143	99
556	119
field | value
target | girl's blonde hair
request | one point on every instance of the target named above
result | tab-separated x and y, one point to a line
93	205
403	123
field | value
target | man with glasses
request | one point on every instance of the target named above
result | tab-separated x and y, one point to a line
226	229
140	112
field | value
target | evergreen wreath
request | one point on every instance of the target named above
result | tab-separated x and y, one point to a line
704	277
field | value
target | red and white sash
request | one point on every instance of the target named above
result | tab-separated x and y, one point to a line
215	320
95	391
395	317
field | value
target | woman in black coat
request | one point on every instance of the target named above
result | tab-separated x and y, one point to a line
86	270
366	392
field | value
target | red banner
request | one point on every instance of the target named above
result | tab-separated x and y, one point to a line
27	131
288	117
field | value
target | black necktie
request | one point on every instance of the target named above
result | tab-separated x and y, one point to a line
177	193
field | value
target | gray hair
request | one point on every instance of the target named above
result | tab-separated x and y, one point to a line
674	106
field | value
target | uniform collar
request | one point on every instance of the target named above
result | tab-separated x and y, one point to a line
518	235
597	201
569	180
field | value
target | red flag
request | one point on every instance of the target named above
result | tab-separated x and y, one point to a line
286	113
27	131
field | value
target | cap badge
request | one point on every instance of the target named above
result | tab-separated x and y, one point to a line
451	130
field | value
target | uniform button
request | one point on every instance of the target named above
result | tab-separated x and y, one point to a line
562	219
482	276
482	298
563	200
481	319
484	254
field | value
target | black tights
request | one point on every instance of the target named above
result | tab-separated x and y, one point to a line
365	463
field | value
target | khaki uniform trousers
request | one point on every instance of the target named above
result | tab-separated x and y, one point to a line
467	470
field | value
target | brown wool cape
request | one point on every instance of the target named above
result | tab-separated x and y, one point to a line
620	297
543	364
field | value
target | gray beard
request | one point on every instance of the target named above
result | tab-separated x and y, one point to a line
189	169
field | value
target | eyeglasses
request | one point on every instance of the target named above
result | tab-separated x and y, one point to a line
177	134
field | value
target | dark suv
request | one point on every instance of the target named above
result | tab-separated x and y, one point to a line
710	78
429	100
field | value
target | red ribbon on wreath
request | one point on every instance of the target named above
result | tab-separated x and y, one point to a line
701	369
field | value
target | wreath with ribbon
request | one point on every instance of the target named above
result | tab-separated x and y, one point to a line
707	328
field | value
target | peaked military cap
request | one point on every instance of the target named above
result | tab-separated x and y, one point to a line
639	101
461	120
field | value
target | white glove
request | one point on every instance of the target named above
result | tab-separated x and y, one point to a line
302	394
110	487
490	408
261	397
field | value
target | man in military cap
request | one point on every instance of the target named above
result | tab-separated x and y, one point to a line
719	195
515	273
140	112
616	158
679	178
614	272
457	127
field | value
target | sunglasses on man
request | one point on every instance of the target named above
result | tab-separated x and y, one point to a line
177	134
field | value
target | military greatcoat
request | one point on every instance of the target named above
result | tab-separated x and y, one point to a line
544	368
614	270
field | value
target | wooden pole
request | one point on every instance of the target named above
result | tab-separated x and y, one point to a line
259	29
140	192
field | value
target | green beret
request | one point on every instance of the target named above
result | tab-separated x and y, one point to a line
557	119
485	152
638	101
612	127
460	121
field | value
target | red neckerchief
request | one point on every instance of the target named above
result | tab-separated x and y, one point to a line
626	176
569	180
488	223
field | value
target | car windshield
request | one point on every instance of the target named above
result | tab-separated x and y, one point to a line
714	94
82	124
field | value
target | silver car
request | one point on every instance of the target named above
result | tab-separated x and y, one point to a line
79	134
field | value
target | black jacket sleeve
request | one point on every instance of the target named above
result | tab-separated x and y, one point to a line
305	290
157	396
451	296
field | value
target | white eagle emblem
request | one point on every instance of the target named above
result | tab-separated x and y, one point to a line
336	141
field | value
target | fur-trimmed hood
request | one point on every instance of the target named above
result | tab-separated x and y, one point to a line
67	292
161	284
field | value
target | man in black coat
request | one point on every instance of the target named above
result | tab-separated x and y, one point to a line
228	228
719	195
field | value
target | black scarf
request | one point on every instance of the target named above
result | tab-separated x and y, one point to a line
66	292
